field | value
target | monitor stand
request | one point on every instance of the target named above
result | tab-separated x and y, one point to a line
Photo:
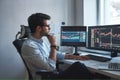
76	53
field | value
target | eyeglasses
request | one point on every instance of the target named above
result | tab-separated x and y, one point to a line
46	25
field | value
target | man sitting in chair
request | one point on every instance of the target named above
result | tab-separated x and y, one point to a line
39	55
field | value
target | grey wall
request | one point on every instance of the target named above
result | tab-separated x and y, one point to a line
85	12
13	13
79	17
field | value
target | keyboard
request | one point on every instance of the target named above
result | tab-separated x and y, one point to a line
110	66
98	58
114	66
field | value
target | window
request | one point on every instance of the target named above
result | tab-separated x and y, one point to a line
109	12
115	11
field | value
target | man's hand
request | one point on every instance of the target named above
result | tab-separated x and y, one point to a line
82	58
75	57
52	39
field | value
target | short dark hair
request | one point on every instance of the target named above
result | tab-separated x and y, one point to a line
37	19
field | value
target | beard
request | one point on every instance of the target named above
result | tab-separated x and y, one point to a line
44	33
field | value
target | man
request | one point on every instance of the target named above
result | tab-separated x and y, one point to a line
39	55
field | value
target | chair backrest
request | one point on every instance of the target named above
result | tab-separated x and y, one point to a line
23	34
18	42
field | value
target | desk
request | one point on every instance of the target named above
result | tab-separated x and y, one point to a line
93	66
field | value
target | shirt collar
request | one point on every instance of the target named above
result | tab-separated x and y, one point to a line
37	40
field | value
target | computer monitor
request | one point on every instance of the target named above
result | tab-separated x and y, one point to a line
105	37
73	36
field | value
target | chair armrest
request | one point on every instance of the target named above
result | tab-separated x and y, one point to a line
43	72
58	64
46	73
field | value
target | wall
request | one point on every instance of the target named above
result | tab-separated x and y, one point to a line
85	12
13	13
79	17
90	12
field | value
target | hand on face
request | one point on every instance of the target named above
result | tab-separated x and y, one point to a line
45	32
51	39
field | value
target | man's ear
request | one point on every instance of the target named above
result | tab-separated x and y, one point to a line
38	28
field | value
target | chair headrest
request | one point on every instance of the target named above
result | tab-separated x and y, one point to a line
25	31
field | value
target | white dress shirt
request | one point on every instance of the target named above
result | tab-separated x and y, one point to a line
36	54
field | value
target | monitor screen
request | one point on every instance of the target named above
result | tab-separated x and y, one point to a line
73	36
105	37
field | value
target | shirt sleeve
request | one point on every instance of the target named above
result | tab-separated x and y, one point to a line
36	58
60	55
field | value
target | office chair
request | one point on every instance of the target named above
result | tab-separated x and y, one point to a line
18	42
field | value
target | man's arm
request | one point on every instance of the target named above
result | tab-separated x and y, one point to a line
52	42
76	57
52	56
33	55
